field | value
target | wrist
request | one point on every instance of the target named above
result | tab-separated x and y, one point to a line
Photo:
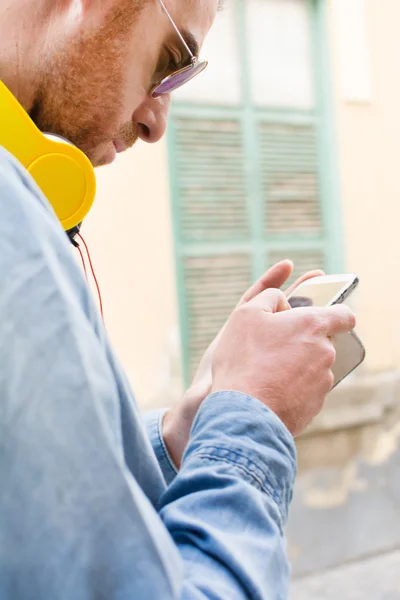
173	438
177	424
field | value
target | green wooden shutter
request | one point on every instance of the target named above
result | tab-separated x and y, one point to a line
213	285
211	180
293	223
216	245
289	178
211	225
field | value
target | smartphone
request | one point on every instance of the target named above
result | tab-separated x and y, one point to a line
323	291
350	353
327	290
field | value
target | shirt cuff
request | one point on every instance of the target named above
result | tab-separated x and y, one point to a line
153	421
236	428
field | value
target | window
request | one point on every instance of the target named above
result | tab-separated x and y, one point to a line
251	179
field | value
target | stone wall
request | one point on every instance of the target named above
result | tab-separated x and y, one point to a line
347	498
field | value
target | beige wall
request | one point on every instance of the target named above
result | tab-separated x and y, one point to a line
369	160
130	237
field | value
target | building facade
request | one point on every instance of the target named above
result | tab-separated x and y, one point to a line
288	146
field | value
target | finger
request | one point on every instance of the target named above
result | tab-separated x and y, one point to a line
275	277
305	277
335	319
340	320
271	300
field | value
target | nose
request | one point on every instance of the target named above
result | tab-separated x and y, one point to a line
151	118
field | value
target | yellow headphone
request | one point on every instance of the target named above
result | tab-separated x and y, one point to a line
62	171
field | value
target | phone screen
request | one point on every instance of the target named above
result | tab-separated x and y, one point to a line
317	294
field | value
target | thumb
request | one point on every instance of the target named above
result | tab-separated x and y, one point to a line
271	301
275	277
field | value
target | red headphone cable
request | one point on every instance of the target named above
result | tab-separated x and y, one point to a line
92	270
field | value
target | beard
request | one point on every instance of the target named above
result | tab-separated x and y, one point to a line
79	97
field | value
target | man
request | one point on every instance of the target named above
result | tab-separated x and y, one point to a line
87	508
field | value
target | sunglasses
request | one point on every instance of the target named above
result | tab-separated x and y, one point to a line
181	76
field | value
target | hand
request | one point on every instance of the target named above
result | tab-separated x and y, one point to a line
275	278
178	422
280	356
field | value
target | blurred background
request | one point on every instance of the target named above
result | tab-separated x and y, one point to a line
288	146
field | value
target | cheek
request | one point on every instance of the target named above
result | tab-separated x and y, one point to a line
132	94
137	67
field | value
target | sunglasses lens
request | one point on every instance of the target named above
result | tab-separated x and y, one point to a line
176	80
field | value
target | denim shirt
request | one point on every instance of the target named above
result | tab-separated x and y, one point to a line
91	506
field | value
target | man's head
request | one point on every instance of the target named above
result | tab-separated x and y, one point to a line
84	69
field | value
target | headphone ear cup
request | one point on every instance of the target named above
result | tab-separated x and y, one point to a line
62	171
67	181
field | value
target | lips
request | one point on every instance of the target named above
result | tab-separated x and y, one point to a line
119	146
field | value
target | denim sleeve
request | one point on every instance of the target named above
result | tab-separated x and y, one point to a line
227	507
235	474
239	468
153	423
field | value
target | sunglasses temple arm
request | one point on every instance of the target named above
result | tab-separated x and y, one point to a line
176	29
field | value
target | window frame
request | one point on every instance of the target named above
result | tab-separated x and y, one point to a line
321	117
